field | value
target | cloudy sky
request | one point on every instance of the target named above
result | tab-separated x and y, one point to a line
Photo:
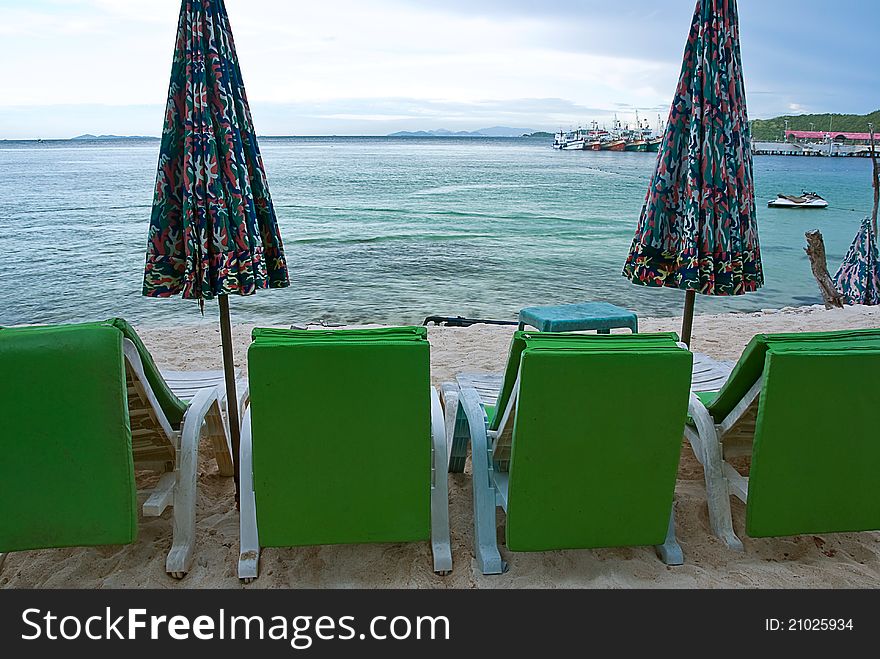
375	66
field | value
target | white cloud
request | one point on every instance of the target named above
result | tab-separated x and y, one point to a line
118	52
345	65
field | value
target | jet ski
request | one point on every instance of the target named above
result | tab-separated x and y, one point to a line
806	200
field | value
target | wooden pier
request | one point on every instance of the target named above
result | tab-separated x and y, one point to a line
810	150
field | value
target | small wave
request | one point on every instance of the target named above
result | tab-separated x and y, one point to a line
75	209
422	237
447	189
434	213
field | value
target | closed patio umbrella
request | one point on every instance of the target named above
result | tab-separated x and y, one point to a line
698	230
213	230
858	277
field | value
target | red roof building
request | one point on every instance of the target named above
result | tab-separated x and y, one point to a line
835	135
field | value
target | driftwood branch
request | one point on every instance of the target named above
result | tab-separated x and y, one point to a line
815	250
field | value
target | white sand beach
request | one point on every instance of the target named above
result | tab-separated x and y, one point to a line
838	561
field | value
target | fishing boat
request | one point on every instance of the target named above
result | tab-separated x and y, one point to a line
615	139
572	140
636	145
576	144
805	200
595	137
655	139
636	137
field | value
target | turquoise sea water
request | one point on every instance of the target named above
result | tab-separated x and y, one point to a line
390	230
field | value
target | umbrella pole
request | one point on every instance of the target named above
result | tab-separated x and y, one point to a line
687	322
231	392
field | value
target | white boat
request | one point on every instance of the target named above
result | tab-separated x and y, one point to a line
574	145
806	200
572	140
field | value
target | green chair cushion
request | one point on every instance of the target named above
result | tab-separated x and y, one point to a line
490	412
706	397
564	340
66	471
596	441
750	365
816	452
341	424
173	407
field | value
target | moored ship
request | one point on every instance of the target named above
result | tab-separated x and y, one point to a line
621	137
614	145
637	145
572	140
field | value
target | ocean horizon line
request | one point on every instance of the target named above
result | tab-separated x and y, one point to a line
112	138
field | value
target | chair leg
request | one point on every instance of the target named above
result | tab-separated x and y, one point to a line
440	544
706	444
670	551
249	556
162	495
220	440
456	428
718	496
485	538
180	557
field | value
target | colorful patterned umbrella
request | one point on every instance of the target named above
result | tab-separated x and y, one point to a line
858	278
698	229
213	230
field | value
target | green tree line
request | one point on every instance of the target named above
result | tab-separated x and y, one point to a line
774	129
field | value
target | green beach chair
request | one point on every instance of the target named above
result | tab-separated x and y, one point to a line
804	407
342	442
83	406
581	449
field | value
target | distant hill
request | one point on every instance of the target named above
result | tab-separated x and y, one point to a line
774	129
538	133
494	131
88	136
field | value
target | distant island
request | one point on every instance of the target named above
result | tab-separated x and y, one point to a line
767	130
494	131
88	136
538	133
